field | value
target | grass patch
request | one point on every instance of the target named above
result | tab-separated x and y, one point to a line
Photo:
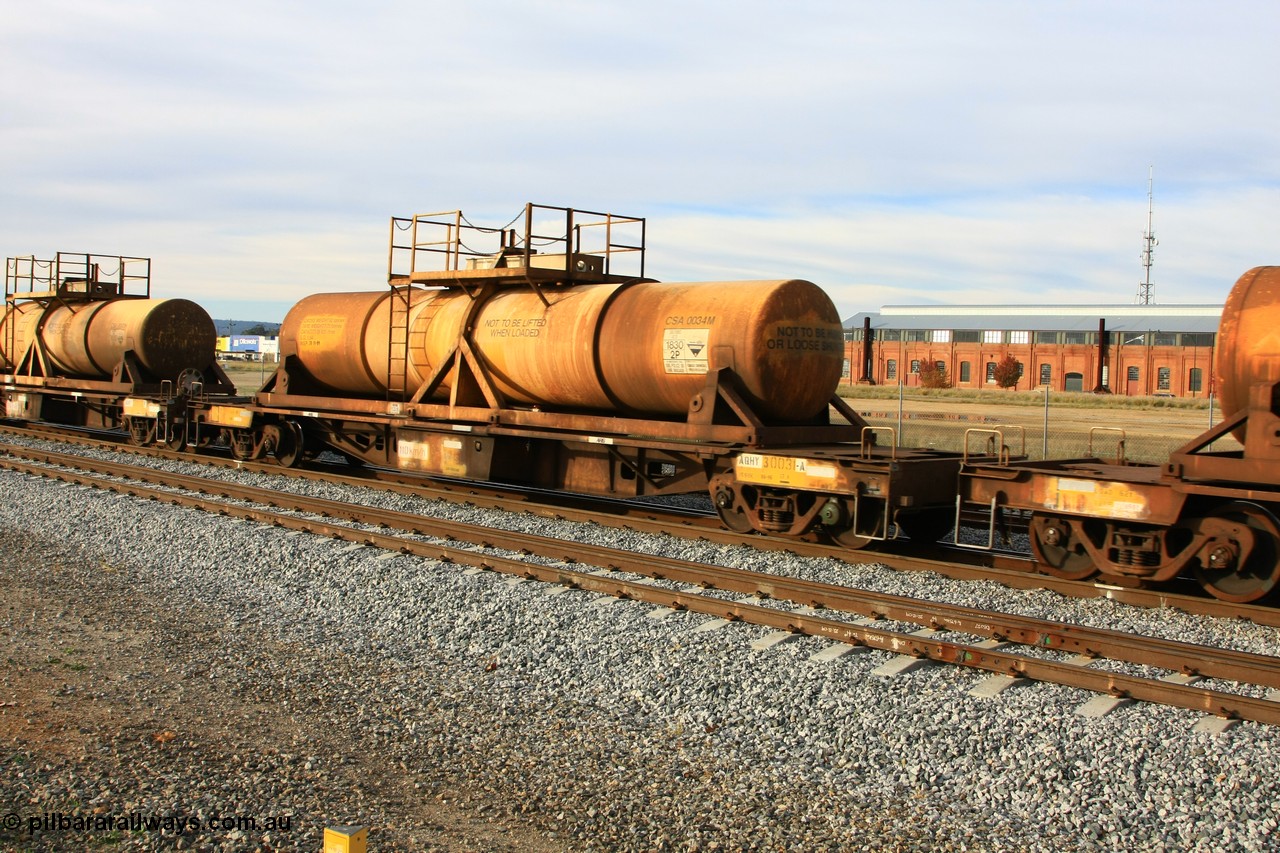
1022	398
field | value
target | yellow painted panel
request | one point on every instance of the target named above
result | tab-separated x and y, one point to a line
136	407
1094	497
797	472
230	416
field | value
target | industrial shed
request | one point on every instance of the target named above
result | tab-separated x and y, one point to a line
1132	350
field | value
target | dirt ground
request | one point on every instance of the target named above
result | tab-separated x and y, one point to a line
111	705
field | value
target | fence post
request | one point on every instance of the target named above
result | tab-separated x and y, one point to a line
901	388
1210	446
1044	436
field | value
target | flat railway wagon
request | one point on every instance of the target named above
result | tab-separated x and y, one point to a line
542	356
1205	512
83	343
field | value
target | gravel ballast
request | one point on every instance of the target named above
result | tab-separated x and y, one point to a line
222	668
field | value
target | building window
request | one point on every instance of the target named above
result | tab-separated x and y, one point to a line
1130	340
942	336
941	365
1046	374
1074	382
1162	379
853	334
1079	337
918	336
993	337
1166	339
1197	339
1194	379
845	371
891	369
1133	374
968	336
991	371
1019	337
1046	337
890	334
964	371
915	366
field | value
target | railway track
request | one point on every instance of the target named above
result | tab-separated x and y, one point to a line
1005	568
1003	644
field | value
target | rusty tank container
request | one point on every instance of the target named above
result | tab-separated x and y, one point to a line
88	339
641	348
1249	338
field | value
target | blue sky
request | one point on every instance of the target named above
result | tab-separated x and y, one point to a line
894	153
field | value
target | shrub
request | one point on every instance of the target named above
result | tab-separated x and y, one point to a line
932	376
1008	372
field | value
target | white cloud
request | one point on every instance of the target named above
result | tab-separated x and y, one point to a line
919	151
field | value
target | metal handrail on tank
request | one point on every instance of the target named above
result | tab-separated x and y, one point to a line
70	275
446	249
447	242
571	242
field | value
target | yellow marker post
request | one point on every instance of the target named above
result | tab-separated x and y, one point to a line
345	839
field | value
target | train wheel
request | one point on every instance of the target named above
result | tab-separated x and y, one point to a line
846	538
847	533
1058	551
1257	574
731	511
289	444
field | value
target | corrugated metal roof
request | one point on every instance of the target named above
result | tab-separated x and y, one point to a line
1044	318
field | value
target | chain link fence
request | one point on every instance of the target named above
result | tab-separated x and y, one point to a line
1039	425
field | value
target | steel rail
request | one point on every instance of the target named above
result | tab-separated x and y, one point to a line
568	505
1095	642
1258	669
1011	571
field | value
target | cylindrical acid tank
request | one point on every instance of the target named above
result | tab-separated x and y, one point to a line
1248	346
641	347
343	339
89	339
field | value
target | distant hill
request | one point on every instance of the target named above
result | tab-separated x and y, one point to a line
246	327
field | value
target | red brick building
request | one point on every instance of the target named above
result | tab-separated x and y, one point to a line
1144	349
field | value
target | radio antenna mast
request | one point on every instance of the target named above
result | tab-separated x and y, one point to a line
1149	243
